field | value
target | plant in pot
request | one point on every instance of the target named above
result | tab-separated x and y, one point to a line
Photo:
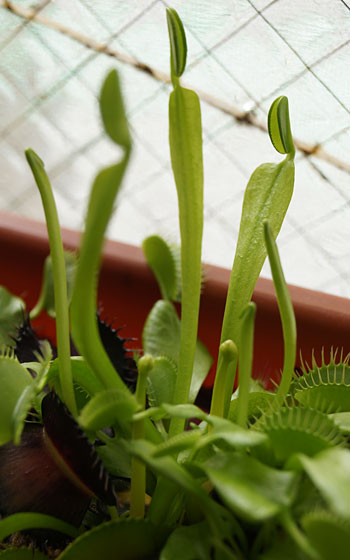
97	461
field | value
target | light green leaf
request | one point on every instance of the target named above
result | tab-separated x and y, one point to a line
82	375
266	198
185	138
47	297
161	381
107	408
11	317
252	490
329	470
113	111
22	521
161	337
342	420
14	379
224	431
178	45
164	260
179	443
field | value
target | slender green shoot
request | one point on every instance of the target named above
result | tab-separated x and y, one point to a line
59	276
245	362
104	191
228	354
138	470
287	315
185	137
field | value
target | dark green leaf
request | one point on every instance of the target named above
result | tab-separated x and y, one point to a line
329	535
125	539
11	317
188	543
178	45
22	521
279	126
164	260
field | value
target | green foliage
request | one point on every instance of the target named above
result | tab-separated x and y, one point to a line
253	491
130	539
11	317
162	337
22	521
47	297
14	381
164	260
265	474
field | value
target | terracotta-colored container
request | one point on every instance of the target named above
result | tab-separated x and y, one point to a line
128	290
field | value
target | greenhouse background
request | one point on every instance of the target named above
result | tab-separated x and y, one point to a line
242	54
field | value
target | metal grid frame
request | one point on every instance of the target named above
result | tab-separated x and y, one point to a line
234	103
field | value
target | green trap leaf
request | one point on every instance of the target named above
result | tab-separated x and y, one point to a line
164	260
279	126
14	380
11	317
178	45
107	408
125	539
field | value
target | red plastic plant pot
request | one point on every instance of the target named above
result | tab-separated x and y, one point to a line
127	291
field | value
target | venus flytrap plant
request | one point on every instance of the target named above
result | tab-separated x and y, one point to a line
266	198
245	480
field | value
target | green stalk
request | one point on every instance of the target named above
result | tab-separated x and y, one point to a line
185	139
59	276
227	354
287	315
185	136
245	362
138	470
